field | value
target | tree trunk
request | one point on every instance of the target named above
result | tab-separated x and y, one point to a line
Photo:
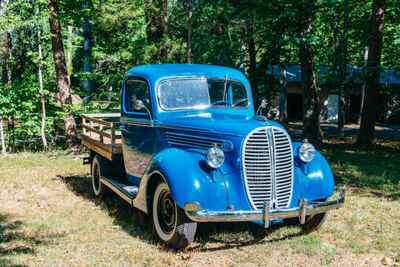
63	82
343	71
7	80
189	31
251	47
6	76
156	12
164	29
366	135
362	96
2	138
7	69
312	105
283	94
42	97
87	50
164	18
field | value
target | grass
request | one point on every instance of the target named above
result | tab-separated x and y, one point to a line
376	169
49	217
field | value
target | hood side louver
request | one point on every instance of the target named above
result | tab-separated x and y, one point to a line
192	141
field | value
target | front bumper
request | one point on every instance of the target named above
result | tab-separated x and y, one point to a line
305	208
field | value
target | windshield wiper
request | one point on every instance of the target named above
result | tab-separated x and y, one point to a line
225	87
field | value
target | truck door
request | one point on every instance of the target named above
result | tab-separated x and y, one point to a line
138	134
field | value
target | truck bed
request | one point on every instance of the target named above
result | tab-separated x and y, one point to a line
101	134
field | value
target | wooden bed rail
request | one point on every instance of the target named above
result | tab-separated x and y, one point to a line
101	134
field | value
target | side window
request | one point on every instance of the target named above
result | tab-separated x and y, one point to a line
239	95
216	91
136	90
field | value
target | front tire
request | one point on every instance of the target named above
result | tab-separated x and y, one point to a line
170	222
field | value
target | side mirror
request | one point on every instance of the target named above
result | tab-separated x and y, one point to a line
138	105
264	103
261	107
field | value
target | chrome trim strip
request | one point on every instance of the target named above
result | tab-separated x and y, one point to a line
115	189
311	209
272	153
156	123
194	77
194	129
284	166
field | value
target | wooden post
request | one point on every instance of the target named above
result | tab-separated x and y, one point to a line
112	135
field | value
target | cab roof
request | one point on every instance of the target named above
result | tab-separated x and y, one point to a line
155	72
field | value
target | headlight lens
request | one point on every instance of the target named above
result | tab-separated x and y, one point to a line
307	152
215	157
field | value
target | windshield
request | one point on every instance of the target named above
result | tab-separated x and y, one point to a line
187	93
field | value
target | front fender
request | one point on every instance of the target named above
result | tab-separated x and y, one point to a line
313	180
188	178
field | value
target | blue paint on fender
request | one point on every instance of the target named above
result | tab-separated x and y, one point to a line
313	180
190	180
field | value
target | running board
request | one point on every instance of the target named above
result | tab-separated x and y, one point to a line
126	192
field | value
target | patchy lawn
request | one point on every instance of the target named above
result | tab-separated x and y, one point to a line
48	217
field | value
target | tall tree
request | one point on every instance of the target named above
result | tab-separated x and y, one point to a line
157	21
7	72
63	82
283	93
343	70
41	89
366	135
87	48
189	30
312	102
252	53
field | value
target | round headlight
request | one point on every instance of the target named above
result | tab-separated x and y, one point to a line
215	157
307	152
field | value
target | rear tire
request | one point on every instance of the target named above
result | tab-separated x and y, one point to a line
100	167
169	221
314	223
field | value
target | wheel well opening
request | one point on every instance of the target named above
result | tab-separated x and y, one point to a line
154	180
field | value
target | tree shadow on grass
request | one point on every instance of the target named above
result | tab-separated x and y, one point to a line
135	223
238	235
14	241
129	219
374	169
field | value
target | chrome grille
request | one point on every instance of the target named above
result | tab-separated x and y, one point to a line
268	167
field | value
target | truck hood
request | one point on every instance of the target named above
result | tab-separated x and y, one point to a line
217	122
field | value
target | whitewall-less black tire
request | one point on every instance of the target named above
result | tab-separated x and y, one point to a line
170	222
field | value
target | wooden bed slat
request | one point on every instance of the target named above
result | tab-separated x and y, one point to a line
100	135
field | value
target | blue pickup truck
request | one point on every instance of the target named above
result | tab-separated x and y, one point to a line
188	148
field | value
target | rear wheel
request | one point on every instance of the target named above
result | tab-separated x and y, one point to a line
99	168
314	223
170	222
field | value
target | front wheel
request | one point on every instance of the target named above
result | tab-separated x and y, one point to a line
170	222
